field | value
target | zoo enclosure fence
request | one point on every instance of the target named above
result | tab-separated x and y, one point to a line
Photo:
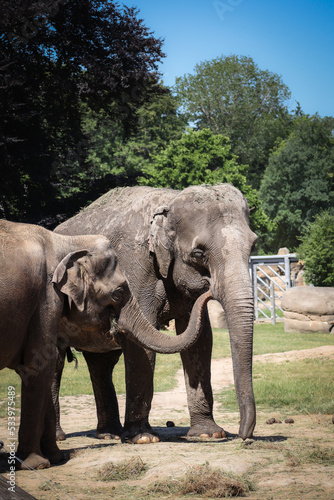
271	278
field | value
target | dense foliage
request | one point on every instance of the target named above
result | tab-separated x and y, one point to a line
111	155
198	157
299	180
56	59
201	157
317	250
232	96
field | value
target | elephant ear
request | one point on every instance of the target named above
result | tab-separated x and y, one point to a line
70	277
161	239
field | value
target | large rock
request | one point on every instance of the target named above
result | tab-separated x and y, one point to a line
308	309
216	315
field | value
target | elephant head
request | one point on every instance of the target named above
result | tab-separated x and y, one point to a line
202	240
100	302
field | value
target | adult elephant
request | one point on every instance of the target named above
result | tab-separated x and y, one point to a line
57	289
173	246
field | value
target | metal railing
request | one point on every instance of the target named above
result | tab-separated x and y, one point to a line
271	278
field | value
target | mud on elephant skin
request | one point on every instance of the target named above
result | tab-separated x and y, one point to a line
181	244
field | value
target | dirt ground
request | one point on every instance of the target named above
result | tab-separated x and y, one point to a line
272	461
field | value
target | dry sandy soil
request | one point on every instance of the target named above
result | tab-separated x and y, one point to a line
271	461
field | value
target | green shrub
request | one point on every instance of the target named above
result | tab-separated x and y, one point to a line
317	250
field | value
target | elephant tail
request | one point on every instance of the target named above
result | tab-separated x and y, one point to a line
71	357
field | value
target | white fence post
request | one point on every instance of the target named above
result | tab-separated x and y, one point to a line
272	302
270	266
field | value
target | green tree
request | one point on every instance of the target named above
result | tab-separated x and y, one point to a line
299	180
158	123
55	57
317	250
201	157
232	96
113	158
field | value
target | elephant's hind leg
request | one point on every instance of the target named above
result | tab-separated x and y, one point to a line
101	366
61	354
48	440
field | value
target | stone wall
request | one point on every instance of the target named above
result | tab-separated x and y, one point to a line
308	309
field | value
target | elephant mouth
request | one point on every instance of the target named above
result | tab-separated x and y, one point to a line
204	287
111	334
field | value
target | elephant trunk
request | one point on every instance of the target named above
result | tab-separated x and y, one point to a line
140	330
236	297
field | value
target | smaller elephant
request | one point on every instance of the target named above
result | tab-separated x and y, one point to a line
55	291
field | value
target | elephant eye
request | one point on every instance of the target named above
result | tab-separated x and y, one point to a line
198	255
117	295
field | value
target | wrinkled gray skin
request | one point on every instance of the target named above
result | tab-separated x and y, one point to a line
61	290
172	247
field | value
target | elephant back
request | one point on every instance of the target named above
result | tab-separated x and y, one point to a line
118	212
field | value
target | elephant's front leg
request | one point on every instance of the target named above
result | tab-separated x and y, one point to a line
197	371
101	366
37	434
48	440
139	370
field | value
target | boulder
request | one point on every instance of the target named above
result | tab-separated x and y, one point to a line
217	315
283	251
308	309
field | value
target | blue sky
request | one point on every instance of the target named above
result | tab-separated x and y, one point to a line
294	39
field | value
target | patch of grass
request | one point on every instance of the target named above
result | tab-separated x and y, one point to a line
204	481
263	444
320	455
77	381
166	367
313	455
47	485
301	387
128	469
271	338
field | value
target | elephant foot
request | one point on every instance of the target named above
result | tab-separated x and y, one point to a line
53	453
60	435
140	435
207	430
107	435
33	461
56	457
110	432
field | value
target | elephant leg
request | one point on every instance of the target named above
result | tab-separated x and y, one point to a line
197	371
48	440
139	370
60	362
37	439
100	367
